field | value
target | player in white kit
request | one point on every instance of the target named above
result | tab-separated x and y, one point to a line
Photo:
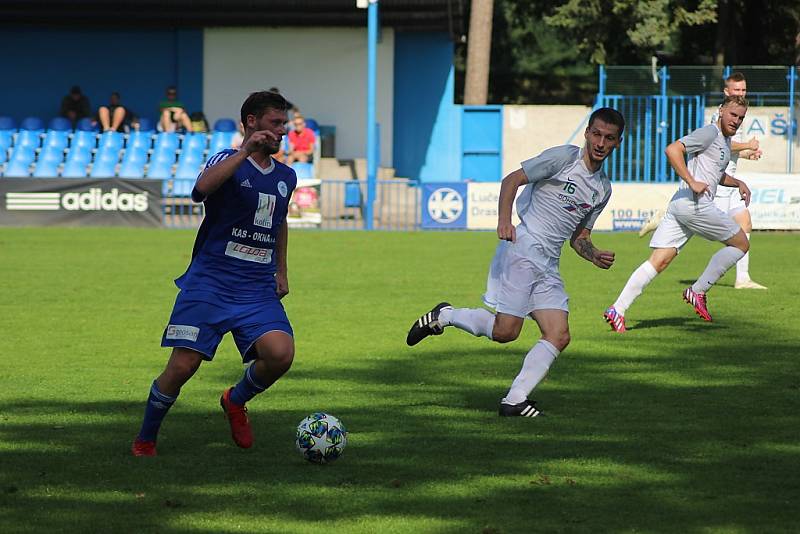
692	211
728	199
565	191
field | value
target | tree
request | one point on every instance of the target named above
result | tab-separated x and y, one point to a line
478	53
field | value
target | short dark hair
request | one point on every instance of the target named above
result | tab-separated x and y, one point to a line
610	116
735	99
259	102
735	77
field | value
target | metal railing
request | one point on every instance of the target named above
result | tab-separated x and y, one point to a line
334	205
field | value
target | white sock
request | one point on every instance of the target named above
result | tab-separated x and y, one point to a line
642	276
717	266
534	368
743	266
478	321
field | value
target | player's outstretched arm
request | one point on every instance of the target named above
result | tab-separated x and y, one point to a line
581	242
508	192
676	155
213	177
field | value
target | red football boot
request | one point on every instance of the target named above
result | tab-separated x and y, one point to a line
237	417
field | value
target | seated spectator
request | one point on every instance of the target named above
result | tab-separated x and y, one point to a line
173	115
199	122
115	117
75	106
301	142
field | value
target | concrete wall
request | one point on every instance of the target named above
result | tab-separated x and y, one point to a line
528	130
321	70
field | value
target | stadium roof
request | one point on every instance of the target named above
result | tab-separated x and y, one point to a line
409	15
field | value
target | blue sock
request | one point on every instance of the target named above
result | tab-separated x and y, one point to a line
157	407
247	388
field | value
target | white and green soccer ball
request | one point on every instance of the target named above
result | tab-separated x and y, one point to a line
321	438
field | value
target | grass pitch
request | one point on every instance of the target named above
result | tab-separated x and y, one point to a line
676	426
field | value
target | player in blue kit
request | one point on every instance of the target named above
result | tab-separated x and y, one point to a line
236	277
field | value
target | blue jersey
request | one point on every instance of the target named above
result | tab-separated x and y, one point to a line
234	252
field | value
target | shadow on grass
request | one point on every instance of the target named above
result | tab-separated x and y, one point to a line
660	442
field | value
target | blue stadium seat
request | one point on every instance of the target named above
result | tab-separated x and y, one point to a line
52	154
107	155
34	124
74	169
85	125
311	123
56	139
132	169
17	169
29	138
159	170
183	187
24	154
194	155
167	140
7	123
111	140
46	169
220	141
84	138
103	169
145	125
135	155
195	141
82	154
163	155
6	139
188	170
304	171
225	125
60	124
140	140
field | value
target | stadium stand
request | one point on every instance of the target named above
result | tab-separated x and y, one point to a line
57	150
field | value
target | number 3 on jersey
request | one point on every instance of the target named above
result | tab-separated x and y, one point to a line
265	210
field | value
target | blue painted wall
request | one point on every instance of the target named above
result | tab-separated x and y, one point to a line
41	64
427	124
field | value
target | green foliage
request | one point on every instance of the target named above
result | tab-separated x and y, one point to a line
677	426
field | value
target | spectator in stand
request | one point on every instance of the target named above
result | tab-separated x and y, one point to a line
301	142
115	117
238	137
75	106
199	122
173	114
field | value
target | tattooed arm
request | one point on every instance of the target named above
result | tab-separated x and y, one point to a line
582	243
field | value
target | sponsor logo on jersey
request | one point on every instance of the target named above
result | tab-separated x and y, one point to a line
282	189
265	210
92	200
182	331
572	204
248	253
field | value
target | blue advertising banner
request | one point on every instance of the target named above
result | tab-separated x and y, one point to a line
444	206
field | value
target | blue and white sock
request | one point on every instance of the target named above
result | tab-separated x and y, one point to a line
158	404
247	388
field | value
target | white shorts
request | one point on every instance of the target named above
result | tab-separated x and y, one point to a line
686	217
729	200
523	279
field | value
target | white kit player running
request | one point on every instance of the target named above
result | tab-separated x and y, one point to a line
565	191
727	198
692	211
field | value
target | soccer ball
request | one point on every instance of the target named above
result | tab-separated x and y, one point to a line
321	438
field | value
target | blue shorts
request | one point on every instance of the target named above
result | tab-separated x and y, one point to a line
200	319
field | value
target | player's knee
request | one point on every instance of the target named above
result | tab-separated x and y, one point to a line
504	333
559	340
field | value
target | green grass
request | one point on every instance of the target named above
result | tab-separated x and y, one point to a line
677	426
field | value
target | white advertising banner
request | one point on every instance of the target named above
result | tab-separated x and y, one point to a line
632	204
775	200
